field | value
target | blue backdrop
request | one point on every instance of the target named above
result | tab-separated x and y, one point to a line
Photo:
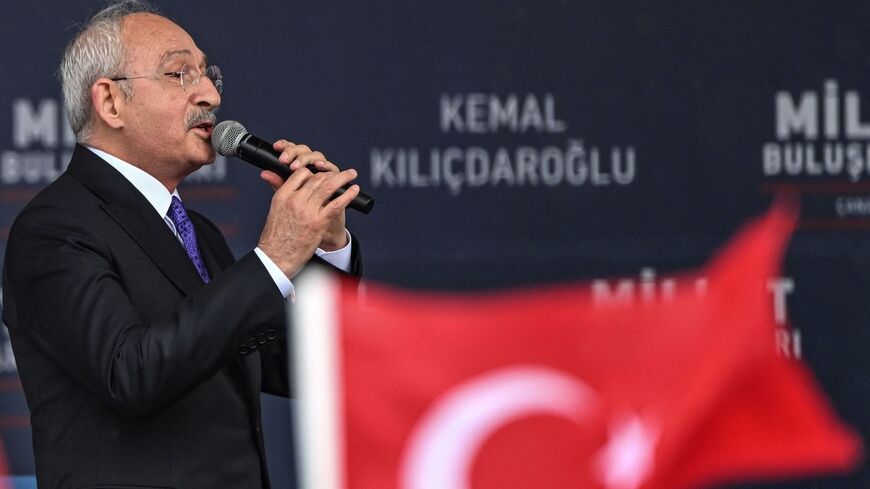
516	142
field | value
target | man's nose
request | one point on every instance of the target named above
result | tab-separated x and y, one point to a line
207	94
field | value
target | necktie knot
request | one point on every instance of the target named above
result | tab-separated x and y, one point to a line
185	231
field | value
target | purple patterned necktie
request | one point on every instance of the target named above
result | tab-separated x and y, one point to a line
185	230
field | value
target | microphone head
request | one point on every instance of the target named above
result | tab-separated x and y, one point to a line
226	136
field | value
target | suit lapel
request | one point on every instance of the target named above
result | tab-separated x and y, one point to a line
129	208
158	242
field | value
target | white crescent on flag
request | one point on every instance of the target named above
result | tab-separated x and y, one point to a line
442	448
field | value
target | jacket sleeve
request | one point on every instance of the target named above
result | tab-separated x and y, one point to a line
275	358
64	292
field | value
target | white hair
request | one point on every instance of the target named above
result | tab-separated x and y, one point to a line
96	51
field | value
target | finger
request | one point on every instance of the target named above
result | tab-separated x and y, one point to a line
297	180
272	179
292	151
282	144
323	165
305	159
325	184
341	202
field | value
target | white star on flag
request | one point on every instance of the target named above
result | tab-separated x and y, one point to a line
628	458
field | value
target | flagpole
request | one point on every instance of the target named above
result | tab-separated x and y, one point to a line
314	347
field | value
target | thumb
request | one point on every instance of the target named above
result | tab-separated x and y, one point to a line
272	179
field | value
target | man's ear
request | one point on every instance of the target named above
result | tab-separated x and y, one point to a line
108	101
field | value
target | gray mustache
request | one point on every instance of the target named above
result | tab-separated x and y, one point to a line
198	118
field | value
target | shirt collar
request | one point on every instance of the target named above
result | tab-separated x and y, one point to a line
154	191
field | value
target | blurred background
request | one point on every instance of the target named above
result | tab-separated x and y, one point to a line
513	143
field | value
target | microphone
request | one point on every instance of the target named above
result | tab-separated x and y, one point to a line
230	138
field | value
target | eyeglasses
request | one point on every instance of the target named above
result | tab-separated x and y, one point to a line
188	76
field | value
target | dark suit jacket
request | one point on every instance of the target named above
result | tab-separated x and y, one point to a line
135	372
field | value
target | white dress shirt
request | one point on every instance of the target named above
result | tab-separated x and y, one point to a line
160	198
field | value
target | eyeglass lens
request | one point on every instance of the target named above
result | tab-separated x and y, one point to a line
190	76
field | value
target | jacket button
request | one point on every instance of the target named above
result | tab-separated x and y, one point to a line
271	334
252	343
243	350
261	338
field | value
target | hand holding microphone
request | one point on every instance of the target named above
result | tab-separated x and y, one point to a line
307	210
230	138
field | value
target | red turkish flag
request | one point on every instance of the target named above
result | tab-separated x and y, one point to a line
555	388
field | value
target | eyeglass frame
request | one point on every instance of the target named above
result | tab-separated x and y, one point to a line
216	76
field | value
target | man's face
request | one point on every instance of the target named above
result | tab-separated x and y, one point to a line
163	124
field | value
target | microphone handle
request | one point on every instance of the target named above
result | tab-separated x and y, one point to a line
262	155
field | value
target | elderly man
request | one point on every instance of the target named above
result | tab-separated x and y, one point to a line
142	344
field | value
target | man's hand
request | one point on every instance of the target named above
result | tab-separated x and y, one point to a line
302	217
